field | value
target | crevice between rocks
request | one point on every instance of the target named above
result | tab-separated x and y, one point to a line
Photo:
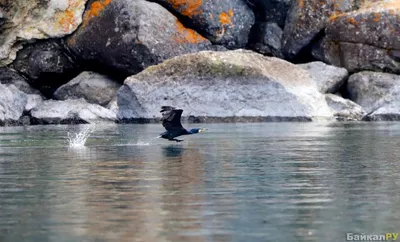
305	54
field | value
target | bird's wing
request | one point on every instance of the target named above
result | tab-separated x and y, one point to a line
172	119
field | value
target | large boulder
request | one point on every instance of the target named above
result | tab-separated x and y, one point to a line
373	90
127	36
23	21
12	104
93	87
225	23
9	76
344	109
46	64
70	112
305	20
328	78
367	39
224	85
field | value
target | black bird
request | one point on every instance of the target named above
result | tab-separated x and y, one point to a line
172	123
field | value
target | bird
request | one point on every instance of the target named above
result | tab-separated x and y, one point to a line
171	121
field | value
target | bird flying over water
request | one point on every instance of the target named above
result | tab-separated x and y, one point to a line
171	121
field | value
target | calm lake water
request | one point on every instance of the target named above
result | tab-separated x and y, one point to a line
236	182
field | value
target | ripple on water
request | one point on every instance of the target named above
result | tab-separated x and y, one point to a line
272	182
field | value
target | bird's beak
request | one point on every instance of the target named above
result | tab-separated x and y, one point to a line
202	130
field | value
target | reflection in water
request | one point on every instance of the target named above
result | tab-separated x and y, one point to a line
173	151
247	182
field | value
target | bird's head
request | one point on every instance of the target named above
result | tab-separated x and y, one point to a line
197	130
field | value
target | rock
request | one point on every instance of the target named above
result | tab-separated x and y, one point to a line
46	64
12	104
271	11
360	57
388	112
94	88
9	76
305	20
33	100
225	23
267	39
377	25
113	105
328	78
218	48
344	109
224	85
367	39
70	112
372	90
127	36
24	21
2	19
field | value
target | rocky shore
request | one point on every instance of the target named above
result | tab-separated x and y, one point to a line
90	61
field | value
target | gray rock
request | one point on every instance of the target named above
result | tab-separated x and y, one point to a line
127	36
366	39
46	64
113	105
268	39
24	21
356	57
344	109
328	78
12	104
9	76
93	87
230	84
372	90
377	26
305	20
70	111
225	23
388	112
33	100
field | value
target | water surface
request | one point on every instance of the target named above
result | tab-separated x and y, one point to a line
236	182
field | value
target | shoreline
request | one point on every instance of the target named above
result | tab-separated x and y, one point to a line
205	120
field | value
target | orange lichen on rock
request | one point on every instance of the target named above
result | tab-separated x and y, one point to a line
301	4
377	17
335	15
185	35
352	21
188	8
225	18
95	9
66	19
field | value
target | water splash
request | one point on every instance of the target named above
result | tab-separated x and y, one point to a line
145	143
142	143
78	140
